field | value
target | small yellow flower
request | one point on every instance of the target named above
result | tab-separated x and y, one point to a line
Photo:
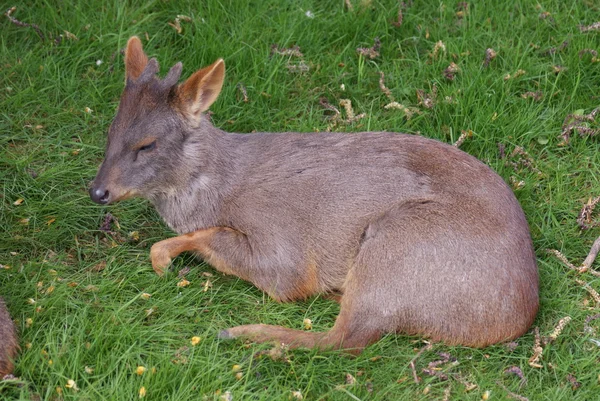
236	368
142	392
28	322
140	370
72	385
50	362
486	395
297	395
183	283
89	370
195	340
145	295
239	376
307	324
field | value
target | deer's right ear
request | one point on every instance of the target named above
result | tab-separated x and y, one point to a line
135	58
200	90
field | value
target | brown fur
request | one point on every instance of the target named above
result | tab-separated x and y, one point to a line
417	236
8	341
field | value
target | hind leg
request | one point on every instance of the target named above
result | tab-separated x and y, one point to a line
356	326
348	333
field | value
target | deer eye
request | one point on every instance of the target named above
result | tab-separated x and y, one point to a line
145	148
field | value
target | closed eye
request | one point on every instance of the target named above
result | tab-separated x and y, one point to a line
147	147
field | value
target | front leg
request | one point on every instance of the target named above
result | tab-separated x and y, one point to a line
280	270
199	241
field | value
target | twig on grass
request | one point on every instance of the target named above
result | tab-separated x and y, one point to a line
412	362
587	263
15	21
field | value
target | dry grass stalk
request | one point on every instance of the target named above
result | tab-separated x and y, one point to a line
517	74
336	118
573	380
408	111
463	136
293	51
589	289
537	350
510	394
425	99
537	96
412	362
587	263
300	67
370	52
384	88
576	122
451	71
557	330
584	219
468	385
400	18
583	52
515	370
349	5
587	328
177	23
524	160
554	50
244	92
447	393
490	54
439	46
593	27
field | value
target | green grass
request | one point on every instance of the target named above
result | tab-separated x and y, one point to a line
97	318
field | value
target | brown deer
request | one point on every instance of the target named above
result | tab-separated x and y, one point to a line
417	236
8	341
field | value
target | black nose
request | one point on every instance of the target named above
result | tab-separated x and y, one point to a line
99	195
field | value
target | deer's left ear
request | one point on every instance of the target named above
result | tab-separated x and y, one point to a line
135	58
200	90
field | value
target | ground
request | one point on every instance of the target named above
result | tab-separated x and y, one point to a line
95	322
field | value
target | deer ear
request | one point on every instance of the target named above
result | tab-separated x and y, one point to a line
200	90
135	58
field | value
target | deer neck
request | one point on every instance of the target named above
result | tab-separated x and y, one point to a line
212	167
